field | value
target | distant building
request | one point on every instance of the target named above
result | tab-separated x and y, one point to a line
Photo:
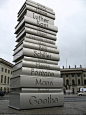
74	78
5	75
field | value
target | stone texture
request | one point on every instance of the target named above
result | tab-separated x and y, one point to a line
68	108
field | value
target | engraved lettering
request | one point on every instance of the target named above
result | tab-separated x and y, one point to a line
40	82
40	18
39	38
41	6
42	60
40	101
41	29
42	34
46	21
41	11
42	54
38	65
42	24
42	48
31	100
41	73
45	101
49	100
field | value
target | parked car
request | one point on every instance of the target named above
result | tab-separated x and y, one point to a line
82	93
2	93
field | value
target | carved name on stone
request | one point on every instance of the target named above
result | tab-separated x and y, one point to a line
31	64
40	38
35	32
37	100
36	54
34	101
36	72
36	47
36	81
46	83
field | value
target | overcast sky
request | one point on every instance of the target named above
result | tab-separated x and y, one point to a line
71	23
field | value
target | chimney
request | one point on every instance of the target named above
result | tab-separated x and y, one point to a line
75	66
69	66
63	67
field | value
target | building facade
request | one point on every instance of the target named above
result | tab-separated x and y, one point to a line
5	75
74	78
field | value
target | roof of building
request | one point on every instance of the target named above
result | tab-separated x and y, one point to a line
72	70
6	62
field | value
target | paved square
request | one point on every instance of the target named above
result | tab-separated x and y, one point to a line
68	108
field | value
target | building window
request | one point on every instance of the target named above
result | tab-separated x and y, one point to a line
72	75
78	81
8	80
1	88
2	69
78	75
8	71
73	82
67	82
5	70
8	89
5	89
66	75
5	79
1	78
11	72
84	75
84	81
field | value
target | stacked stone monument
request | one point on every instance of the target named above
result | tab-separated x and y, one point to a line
36	81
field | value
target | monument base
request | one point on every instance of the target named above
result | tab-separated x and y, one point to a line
35	100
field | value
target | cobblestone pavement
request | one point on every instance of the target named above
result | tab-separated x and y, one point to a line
68	108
